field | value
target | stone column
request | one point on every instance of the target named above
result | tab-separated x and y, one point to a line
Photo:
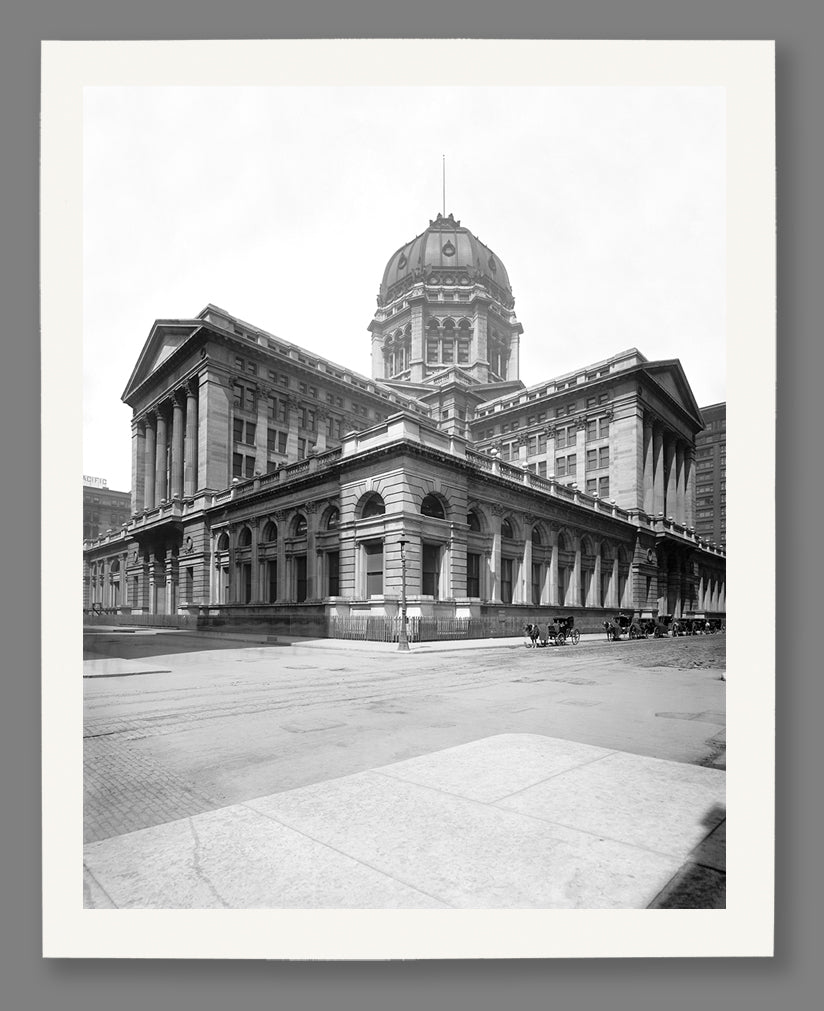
256	591
280	519
176	490
689	493
576	575
680	486
526	567
161	484
292	435
190	447
416	362
553	570
615	585
595	586
149	470
670	506
649	469
138	465
311	551
262	433
322	420
495	557
658	470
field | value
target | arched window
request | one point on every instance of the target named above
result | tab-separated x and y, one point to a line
245	538
223	542
432	506
562	543
373	505
333	520
506	530
473	521
299	525
270	533
114	568
536	536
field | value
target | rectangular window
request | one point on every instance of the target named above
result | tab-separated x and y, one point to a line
532	445
282	442
463	352
251	432
542	468
430	569
592	430
271	440
300	578
272	581
373	555
473	574
301	449
237	429
603	428
246	582
271	466
603	456
432	351
592	486
237	465
592	459
447	351
333	573
603	487
560	466
505	449
251	368
572	465
542	442
249	466
506	580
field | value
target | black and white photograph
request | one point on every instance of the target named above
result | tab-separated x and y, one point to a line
404	497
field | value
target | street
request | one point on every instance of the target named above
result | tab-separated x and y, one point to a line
178	724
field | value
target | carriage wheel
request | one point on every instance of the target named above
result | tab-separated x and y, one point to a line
561	639
576	637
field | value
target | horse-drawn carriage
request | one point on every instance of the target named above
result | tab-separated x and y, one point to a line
625	625
558	632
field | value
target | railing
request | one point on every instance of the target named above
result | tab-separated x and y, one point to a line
421	629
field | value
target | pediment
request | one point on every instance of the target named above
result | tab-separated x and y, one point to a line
671	378
165	338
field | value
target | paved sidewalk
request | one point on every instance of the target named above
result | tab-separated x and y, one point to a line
513	820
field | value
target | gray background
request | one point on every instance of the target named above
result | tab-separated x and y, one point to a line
789	980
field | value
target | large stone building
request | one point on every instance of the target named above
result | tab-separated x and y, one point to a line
104	509
711	476
268	481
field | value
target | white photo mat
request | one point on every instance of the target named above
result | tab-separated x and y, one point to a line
745	928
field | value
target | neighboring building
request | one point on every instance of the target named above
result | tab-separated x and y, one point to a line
268	481
711	476
103	508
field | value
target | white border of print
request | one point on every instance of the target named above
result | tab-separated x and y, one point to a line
745	927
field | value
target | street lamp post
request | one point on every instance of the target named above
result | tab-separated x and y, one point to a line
403	640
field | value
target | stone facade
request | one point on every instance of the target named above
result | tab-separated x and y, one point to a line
267	479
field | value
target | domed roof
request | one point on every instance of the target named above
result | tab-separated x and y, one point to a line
446	253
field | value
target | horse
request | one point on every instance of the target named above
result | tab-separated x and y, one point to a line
533	633
612	630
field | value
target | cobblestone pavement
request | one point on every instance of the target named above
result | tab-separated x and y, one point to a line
221	726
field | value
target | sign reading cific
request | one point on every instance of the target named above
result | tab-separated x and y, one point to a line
94	482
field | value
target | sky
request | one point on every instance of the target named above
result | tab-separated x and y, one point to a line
283	206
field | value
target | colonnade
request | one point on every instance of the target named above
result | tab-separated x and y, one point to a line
165	447
668	474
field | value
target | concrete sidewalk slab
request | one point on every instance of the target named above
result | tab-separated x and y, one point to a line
469	827
112	667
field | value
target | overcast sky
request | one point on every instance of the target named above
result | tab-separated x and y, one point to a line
283	205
